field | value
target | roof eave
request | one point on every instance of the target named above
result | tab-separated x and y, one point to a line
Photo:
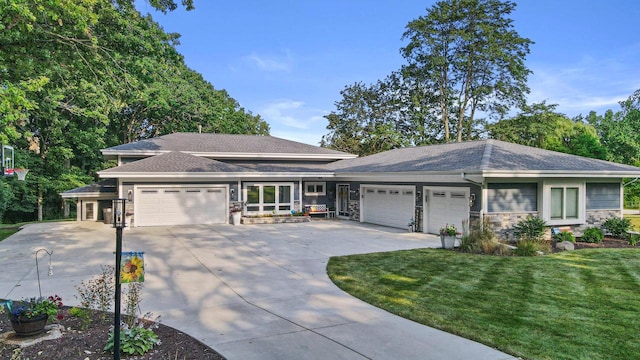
234	155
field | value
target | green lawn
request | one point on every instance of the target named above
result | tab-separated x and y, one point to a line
635	221
5	232
572	305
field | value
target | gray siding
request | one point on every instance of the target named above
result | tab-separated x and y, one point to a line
512	197
603	196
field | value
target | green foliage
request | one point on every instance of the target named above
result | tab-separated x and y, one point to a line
633	239
526	247
469	56
531	228
82	314
136	340
538	125
482	240
617	227
592	235
564	236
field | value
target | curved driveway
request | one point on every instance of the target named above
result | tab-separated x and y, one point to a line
250	292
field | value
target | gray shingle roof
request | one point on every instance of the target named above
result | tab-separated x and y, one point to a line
176	162
223	143
285	167
107	186
475	156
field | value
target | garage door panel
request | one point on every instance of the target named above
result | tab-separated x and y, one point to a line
446	206
181	205
388	206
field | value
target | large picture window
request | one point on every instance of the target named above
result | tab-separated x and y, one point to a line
269	198
565	204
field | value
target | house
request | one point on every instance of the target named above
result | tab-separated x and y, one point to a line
192	178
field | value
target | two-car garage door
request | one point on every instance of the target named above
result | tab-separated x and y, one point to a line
180	205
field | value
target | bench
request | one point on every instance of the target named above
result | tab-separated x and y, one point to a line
317	209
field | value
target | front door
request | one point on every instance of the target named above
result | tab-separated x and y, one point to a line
343	200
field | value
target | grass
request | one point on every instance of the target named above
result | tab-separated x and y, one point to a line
635	221
5	232
570	305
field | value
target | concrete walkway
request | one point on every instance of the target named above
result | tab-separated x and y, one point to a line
249	292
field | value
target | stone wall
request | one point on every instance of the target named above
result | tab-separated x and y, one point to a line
502	224
354	210
274	219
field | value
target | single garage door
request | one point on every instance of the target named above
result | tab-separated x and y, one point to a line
180	205
446	206
388	206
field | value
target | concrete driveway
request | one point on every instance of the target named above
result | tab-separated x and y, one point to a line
250	292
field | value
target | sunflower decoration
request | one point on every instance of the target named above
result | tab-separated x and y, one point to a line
132	269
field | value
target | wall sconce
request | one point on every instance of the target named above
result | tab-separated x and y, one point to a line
130	195
232	192
472	200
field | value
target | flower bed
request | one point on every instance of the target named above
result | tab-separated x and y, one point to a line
251	220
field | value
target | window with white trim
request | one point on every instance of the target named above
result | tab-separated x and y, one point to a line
315	188
564	203
264	198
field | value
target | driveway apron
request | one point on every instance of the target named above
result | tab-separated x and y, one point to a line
249	292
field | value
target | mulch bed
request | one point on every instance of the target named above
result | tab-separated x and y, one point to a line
77	343
607	242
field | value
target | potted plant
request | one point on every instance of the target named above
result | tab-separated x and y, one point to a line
448	236
29	317
236	214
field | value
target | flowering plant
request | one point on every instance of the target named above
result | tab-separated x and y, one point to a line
448	230
33	307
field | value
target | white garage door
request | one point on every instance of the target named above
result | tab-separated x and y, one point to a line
446	206
180	205
388	206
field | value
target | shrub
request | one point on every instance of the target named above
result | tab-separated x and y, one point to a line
531	228
98	293
526	248
633	239
592	235
83	315
617	226
564	236
481	240
134	340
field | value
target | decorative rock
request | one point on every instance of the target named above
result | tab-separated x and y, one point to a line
565	245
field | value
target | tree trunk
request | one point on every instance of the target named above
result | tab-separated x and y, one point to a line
40	199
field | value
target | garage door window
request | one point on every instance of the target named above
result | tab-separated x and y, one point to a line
269	198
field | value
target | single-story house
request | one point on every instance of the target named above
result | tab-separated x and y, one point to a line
193	178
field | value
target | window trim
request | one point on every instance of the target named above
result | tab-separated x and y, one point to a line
315	191
276	207
582	202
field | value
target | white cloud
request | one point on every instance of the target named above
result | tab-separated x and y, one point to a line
294	120
270	62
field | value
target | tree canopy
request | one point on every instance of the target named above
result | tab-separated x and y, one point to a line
78	76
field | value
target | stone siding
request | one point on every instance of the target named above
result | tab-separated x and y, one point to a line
354	210
274	220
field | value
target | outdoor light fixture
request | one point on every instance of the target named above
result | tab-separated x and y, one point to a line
232	192
38	267
472	200
119	224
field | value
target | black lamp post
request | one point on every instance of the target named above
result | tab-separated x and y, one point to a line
119	224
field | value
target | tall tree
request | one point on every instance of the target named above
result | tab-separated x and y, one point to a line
469	55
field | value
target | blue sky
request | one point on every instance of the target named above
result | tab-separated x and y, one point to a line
287	60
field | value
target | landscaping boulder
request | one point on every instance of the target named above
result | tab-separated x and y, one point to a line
565	245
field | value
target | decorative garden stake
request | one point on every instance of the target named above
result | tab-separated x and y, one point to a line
119	224
38	268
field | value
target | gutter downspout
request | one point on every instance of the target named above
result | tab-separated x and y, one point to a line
482	198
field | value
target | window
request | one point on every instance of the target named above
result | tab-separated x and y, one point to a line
315	188
564	204
269	198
